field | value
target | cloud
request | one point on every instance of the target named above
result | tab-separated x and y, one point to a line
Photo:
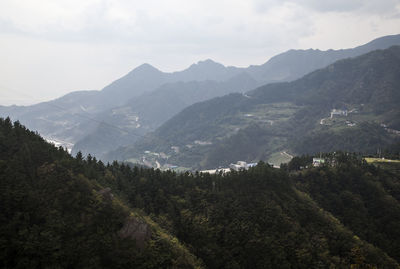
79	42
177	22
131	21
382	7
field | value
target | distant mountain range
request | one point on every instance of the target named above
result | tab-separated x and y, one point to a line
352	104
142	100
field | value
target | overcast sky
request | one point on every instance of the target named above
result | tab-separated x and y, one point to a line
52	47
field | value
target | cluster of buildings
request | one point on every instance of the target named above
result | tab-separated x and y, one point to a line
392	131
241	165
338	112
341	113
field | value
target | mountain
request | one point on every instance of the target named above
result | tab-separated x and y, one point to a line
71	118
65	119
142	79
145	113
63	212
207	70
285	117
75	115
155	108
294	64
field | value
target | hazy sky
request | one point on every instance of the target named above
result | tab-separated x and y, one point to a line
51	47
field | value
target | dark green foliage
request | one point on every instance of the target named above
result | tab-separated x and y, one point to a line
248	219
53	215
298	163
393	151
364	198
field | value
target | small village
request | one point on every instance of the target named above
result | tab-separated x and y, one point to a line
337	116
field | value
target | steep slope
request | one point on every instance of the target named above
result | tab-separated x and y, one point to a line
364	198
293	116
55	214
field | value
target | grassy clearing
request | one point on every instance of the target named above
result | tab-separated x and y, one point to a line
181	169
132	160
380	160
267	113
278	157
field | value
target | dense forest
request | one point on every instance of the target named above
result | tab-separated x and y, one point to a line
65	212
54	214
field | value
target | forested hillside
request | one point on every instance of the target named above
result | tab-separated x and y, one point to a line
251	219
59	211
55	214
363	197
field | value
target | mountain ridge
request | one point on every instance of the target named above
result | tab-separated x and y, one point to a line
287	113
83	113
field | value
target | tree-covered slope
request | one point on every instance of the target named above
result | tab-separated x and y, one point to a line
365	198
64	212
251	219
55	214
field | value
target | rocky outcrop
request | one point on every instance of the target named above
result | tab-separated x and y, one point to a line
107	193
136	229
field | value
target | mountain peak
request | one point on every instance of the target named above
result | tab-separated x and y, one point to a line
208	63
146	67
204	70
144	70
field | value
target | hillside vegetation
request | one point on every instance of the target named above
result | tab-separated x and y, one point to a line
55	214
59	211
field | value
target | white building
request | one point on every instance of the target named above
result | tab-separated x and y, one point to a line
318	161
241	165
338	112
